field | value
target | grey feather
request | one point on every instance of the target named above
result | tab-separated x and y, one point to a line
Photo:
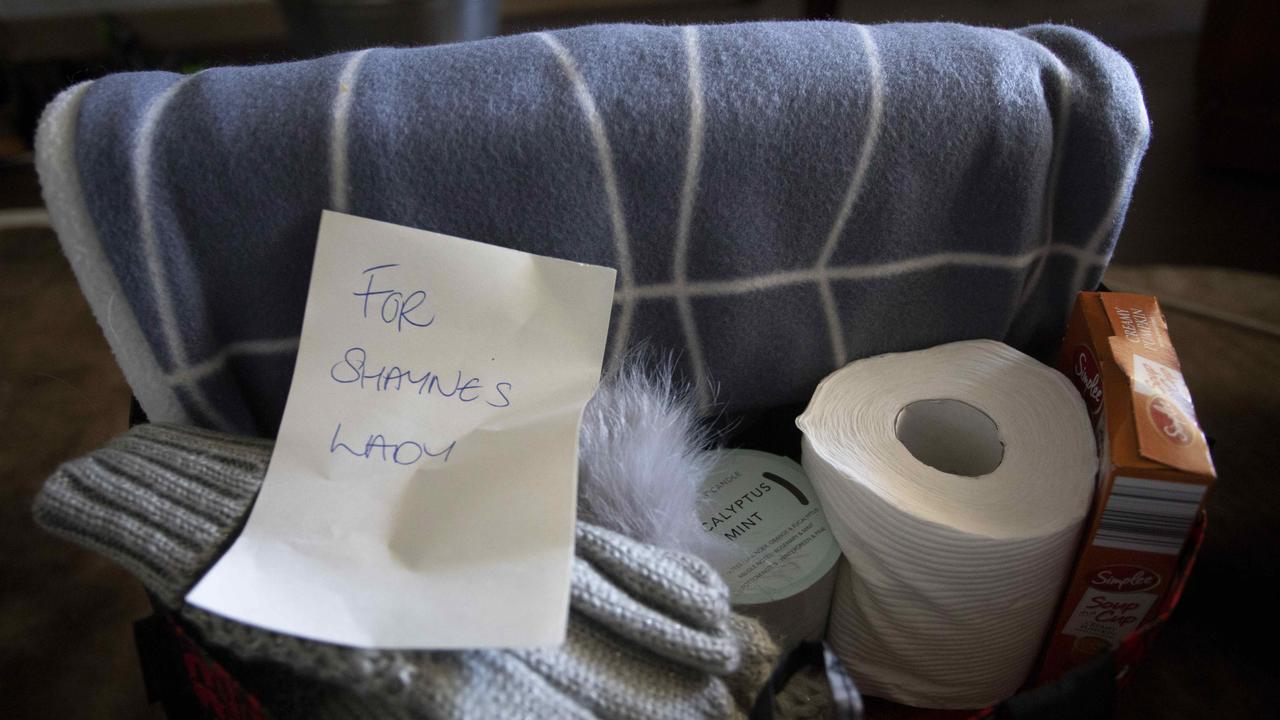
643	455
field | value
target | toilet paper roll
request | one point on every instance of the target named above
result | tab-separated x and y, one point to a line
784	565
955	480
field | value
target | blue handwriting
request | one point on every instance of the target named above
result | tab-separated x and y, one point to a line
353	368
396	307
377	447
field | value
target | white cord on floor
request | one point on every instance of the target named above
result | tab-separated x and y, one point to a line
15	218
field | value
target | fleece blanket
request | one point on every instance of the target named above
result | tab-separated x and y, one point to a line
778	198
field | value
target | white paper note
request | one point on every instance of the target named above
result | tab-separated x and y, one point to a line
421	493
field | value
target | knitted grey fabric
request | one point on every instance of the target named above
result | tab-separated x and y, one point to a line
651	633
162	501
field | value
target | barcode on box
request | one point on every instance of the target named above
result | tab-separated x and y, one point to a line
1148	515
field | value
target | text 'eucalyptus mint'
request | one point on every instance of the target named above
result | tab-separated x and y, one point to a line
784	571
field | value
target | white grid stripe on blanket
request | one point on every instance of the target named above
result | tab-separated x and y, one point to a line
151	250
692	170
339	176
195	373
712	288
70	218
604	157
875	109
924	263
1063	77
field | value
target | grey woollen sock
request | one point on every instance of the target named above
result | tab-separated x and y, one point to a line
651	633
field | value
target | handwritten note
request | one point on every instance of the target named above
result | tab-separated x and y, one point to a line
421	491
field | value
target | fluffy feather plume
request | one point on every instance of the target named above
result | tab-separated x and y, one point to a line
643	455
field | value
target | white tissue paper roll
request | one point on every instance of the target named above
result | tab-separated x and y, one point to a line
955	480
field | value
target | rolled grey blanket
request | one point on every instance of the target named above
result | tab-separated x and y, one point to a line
651	634
778	198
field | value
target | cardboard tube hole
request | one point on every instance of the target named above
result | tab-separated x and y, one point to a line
952	436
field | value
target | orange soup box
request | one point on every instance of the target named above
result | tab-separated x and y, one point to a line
1153	478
